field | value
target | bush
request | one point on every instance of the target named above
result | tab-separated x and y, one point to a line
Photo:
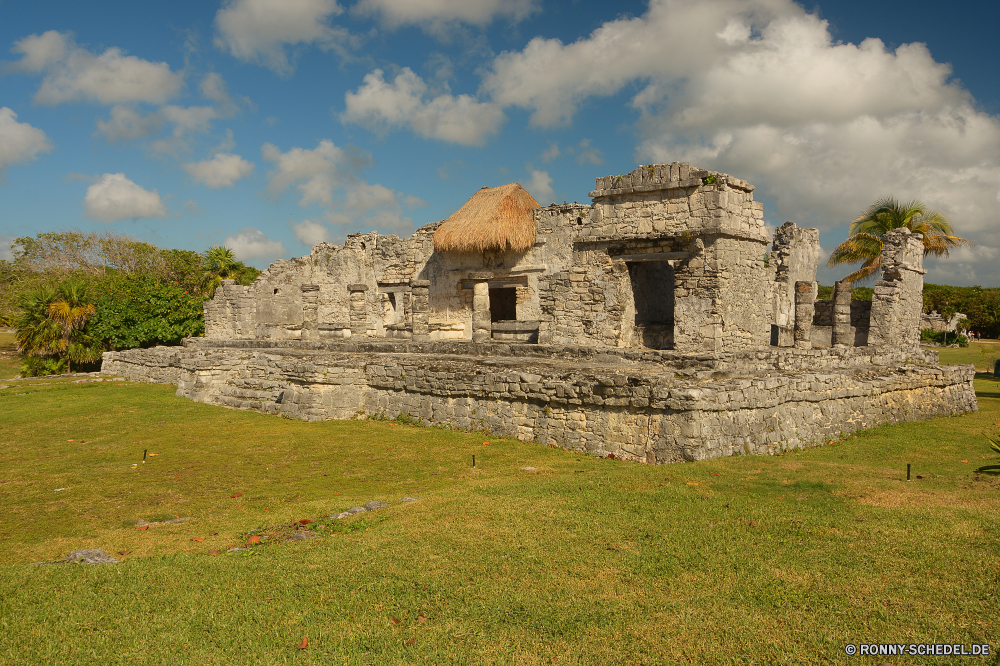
943	337
39	366
142	311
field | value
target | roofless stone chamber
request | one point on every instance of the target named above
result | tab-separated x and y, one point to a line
658	324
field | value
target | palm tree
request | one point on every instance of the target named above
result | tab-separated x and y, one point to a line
220	264
864	241
70	312
37	334
51	324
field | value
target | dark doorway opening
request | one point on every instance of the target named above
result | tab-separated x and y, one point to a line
503	304
653	293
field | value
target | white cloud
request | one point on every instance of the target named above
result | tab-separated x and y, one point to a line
250	243
127	123
190	119
260	30
222	170
380	106
588	154
315	173
19	142
312	233
540	185
759	89
331	178
440	13
6	254
114	197
550	153
214	87
73	74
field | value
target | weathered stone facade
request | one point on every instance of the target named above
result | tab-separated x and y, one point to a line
652	325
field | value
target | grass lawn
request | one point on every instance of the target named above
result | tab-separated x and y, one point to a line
981	354
746	560
9	359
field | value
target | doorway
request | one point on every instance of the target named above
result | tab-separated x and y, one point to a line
503	303
653	294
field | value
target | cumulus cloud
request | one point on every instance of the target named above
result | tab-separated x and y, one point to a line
250	243
262	30
381	106
438	14
114	197
127	123
331	177
214	87
19	142
311	233
540	185
72	73
588	154
550	153
759	89
222	170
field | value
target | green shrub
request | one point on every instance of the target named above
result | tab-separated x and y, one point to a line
944	337
39	366
142	311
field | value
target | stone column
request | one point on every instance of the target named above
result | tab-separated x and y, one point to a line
420	306
310	304
898	297
358	311
805	300
842	315
482	325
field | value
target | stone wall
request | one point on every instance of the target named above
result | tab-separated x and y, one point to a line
939	324
640	405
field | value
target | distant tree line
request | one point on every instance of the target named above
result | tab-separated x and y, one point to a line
981	305
72	295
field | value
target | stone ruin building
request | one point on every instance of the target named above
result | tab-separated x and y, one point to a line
660	323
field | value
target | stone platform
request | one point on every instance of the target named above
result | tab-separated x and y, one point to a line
646	406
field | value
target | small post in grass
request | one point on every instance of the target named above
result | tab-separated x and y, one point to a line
473	459
907	471
144	451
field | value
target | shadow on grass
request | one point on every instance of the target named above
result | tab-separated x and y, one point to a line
992	382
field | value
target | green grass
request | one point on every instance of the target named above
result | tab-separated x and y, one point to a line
581	561
981	354
9	358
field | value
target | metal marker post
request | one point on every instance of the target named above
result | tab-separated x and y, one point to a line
907	471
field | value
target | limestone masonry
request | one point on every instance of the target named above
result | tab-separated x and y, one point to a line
658	324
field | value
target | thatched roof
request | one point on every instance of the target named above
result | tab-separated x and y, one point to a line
495	218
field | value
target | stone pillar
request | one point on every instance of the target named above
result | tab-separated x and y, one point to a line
359	310
482	324
842	315
898	297
310	304
805	300
421	308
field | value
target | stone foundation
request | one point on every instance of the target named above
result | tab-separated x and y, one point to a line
647	406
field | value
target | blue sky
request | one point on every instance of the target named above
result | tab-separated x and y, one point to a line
269	125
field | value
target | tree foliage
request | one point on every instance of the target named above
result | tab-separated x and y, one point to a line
142	311
220	264
864	241
52	328
981	306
